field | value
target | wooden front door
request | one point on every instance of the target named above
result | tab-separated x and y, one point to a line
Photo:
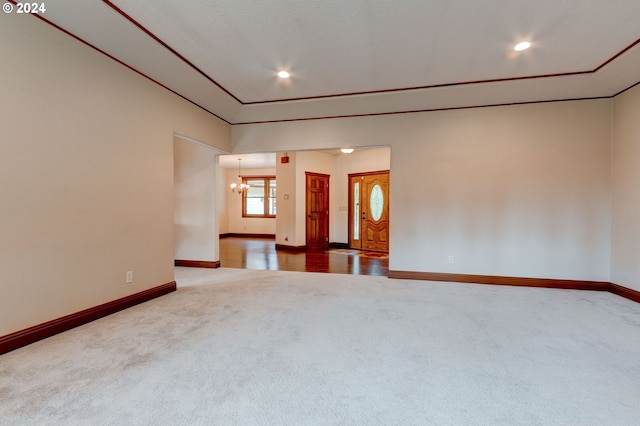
369	211
317	211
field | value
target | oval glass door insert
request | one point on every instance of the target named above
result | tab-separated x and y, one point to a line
376	202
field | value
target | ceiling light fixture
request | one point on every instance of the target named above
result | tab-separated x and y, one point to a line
239	187
523	45
347	150
283	74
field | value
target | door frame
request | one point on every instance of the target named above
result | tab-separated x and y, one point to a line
350	202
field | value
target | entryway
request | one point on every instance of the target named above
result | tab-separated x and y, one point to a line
369	211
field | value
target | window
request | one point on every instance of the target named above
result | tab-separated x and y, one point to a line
260	199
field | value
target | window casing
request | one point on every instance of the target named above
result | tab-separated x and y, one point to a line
260	199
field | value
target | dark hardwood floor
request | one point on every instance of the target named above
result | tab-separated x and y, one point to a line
262	254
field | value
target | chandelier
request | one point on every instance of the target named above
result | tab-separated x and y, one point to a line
239	187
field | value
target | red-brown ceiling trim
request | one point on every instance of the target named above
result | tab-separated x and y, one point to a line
422	110
462	83
623	51
166	46
133	21
624	90
42	18
369	92
406	89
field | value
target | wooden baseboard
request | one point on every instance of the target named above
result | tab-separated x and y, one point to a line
33	334
500	280
197	263
625	292
291	248
338	245
616	289
236	235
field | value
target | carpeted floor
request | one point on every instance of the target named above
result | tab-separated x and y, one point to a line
240	347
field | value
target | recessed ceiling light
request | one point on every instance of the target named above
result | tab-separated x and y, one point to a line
283	74
523	45
347	150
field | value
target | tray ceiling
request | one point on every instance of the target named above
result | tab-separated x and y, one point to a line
363	57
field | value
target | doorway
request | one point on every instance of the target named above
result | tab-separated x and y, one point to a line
317	211
369	211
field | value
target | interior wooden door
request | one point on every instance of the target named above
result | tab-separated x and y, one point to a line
317	200
369	211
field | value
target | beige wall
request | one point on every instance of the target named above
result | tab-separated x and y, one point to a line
86	175
514	190
291	217
237	223
625	241
286	200
223	214
195	201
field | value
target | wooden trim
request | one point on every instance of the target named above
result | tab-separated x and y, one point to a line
367	92
425	87
235	235
257	216
169	48
265	197
338	245
414	111
624	90
197	263
291	248
50	328
616	56
377	172
350	240
454	84
616	289
42	18
625	292
401	89
500	280
153	36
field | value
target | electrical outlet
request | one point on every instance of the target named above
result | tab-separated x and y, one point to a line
129	277
451	260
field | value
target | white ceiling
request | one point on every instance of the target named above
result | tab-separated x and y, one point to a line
354	57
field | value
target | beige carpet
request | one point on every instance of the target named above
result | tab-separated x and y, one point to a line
238	347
